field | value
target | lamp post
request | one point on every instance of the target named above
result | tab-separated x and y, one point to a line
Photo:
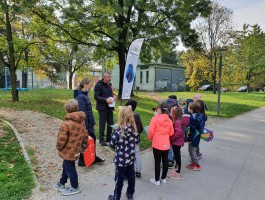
220	52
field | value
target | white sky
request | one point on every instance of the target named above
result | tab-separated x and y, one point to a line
244	12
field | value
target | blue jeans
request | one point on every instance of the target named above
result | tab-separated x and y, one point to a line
120	175
171	154
69	171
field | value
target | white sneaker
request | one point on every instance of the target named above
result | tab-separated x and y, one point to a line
164	181
152	180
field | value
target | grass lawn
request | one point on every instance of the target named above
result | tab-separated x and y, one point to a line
16	179
51	102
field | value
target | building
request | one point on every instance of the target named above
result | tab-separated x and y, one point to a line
155	77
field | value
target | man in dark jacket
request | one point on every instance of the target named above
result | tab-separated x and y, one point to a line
103	95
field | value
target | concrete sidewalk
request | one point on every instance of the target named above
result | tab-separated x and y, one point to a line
233	168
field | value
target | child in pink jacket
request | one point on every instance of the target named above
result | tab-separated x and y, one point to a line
177	140
159	131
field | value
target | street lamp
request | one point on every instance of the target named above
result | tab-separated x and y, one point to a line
220	52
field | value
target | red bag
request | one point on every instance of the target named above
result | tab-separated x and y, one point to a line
89	154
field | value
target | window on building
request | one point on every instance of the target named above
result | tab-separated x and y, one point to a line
147	77
141	77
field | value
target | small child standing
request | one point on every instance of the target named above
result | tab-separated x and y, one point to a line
139	126
72	133
194	136
159	131
177	140
124	139
204	117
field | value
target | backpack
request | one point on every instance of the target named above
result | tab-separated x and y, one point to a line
89	154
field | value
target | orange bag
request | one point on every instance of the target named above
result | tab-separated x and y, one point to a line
89	154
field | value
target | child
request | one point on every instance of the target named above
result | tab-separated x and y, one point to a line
177	140
139	127
159	131
124	139
72	133
182	103
188	101
204	117
194	137
199	97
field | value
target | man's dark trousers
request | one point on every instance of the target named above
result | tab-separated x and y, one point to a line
105	116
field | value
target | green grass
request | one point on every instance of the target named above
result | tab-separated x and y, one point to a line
51	102
16	179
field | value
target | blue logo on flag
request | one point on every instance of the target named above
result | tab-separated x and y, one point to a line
130	73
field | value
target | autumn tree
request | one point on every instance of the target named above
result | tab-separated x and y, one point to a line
215	31
113	24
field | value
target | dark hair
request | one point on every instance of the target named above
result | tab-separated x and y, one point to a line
83	82
164	108
201	106
194	106
131	103
177	113
172	97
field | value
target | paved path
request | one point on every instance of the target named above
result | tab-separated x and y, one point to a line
233	168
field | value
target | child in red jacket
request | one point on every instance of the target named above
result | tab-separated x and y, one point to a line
177	140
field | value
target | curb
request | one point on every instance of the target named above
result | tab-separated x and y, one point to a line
26	156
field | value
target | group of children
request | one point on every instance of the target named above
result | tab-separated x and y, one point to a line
166	130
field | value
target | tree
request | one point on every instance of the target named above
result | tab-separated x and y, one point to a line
113	24
197	69
215	31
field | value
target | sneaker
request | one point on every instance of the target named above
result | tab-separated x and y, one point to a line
190	166
104	144
138	174
164	181
99	160
170	172
111	197
152	180
129	196
58	186
174	175
196	168
70	191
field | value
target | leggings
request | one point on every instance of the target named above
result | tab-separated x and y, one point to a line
158	155
176	150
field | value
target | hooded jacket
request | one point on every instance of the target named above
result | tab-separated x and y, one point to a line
84	105
102	91
159	131
196	123
178	137
71	135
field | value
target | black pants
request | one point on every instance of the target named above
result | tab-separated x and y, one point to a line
120	175
105	116
69	171
158	155
176	150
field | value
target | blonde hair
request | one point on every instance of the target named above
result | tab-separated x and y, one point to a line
71	106
125	117
84	82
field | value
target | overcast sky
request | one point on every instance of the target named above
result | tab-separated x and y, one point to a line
246	11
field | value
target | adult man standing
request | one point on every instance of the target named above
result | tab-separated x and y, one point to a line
103	95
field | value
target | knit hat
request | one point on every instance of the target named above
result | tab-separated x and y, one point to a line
131	103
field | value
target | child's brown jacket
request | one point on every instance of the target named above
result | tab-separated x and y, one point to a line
72	135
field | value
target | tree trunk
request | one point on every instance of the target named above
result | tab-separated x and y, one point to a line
12	67
70	80
122	63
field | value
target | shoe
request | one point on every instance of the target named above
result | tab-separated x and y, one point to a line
138	174
129	196
104	144
164	181
58	186
174	175
152	180
70	191
99	160
170	172
189	166
170	165
111	197
196	168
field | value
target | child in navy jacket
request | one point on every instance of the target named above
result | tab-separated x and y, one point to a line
124	139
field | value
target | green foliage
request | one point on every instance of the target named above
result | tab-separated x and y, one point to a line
16	178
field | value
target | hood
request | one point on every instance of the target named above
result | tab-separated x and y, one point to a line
188	101
162	119
131	103
77	92
75	116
